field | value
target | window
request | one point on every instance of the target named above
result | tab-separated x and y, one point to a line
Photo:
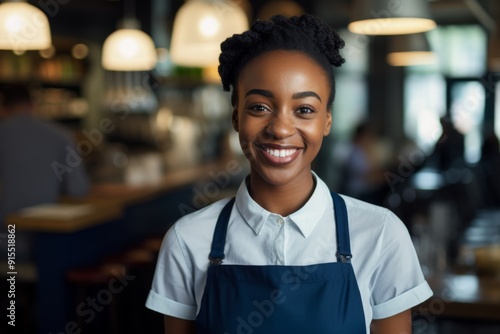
461	51
425	104
350	106
467	114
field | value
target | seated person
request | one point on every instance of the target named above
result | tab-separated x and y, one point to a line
38	161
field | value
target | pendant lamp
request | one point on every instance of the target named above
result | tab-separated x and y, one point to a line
129	48
200	26
23	27
390	17
410	50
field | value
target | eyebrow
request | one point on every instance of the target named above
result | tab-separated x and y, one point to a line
295	96
261	92
302	95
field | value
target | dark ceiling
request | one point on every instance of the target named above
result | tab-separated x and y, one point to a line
96	19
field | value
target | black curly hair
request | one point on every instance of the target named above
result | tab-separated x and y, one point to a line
305	33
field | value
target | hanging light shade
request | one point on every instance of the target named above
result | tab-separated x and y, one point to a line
410	50
129	49
200	26
389	17
23	27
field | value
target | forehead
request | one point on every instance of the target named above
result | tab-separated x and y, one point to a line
281	66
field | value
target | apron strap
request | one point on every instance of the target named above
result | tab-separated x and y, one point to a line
219	240
342	225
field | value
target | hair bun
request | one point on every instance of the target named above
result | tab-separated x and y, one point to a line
304	33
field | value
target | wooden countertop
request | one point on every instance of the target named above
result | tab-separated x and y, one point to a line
464	296
97	214
107	201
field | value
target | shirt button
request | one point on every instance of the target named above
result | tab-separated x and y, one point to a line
281	221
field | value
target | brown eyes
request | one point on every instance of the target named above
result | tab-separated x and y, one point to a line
303	110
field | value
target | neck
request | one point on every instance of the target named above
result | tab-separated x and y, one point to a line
282	199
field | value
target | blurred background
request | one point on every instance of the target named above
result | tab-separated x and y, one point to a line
416	123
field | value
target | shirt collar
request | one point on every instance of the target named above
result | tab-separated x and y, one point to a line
306	218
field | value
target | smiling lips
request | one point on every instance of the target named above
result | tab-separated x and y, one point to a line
279	155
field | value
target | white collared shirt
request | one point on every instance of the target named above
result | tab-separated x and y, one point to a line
384	260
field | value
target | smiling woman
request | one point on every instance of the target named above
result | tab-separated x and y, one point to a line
281	115
277	257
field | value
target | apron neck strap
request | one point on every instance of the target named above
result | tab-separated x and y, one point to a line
219	240
342	226
343	243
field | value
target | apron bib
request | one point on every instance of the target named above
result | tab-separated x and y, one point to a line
322	298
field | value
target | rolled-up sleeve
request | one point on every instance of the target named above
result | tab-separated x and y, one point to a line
172	289
397	283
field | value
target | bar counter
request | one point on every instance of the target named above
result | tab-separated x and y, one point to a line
108	201
464	297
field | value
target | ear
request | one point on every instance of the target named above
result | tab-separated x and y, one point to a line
236	125
328	123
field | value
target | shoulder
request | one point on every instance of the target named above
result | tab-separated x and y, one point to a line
191	236
56	130
372	220
363	210
37	127
200	222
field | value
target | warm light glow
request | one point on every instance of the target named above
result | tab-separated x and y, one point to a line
129	50
23	27
14	23
391	26
211	75
209	26
48	53
200	26
80	51
411	58
128	47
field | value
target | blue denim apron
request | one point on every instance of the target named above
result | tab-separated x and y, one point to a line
273	299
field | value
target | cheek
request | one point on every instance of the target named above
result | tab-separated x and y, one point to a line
246	136
314	134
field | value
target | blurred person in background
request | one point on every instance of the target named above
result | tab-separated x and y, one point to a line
38	162
489	166
449	150
363	173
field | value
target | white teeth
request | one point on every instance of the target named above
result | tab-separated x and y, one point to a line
280	153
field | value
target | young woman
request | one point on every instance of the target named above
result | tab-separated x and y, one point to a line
286	255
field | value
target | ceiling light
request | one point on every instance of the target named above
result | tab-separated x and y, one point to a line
410	50
389	17
129	49
200	26
23	27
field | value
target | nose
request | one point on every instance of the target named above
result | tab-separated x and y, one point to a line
281	125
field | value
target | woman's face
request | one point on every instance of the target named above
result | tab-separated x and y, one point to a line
281	114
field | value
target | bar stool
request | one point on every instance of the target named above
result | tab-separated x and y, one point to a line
139	263
97	279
